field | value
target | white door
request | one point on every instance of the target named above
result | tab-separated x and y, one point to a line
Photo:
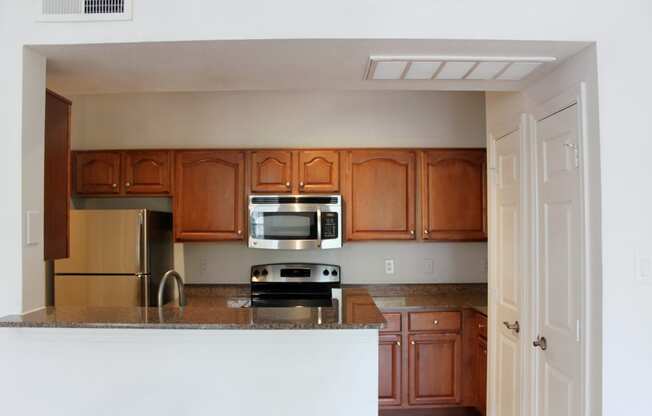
505	379
559	264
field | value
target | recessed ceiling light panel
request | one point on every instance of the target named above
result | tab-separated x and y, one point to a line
389	69
487	70
455	70
422	70
518	71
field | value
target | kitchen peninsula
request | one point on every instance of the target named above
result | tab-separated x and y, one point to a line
318	361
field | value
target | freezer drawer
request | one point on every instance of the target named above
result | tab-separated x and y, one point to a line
94	290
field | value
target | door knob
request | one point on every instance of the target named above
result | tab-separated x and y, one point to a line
513	327
541	342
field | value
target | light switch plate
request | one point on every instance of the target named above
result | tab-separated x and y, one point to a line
644	267
33	225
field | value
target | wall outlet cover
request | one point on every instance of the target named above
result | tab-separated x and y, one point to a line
389	266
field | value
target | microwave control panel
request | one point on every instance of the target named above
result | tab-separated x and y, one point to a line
329	225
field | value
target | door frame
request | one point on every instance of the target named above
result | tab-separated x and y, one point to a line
525	253
590	291
576	95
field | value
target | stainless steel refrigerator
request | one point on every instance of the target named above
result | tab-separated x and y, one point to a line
117	258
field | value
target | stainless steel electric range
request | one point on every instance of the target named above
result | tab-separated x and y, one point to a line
294	284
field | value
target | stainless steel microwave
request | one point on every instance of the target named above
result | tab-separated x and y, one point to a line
295	222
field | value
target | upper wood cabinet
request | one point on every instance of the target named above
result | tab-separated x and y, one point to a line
209	195
56	192
130	172
453	195
97	173
147	171
389	370
319	171
435	369
271	171
380	194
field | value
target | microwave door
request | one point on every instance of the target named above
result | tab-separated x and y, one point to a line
281	228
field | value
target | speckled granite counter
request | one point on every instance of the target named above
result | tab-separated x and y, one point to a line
431	297
355	310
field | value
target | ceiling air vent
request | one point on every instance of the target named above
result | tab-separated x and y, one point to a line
478	68
84	10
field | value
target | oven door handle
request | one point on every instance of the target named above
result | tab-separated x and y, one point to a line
319	227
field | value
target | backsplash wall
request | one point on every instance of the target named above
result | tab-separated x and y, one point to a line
293	119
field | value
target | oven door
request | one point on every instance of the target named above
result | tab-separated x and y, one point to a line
284	226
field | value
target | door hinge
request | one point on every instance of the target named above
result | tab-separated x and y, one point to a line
576	153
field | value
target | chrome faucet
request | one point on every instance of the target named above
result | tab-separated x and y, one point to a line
161	287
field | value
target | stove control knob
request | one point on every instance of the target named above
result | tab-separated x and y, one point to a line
265	272
326	272
334	272
256	272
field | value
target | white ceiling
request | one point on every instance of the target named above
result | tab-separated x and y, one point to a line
270	64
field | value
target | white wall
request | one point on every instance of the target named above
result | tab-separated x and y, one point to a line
621	31
117	372
296	119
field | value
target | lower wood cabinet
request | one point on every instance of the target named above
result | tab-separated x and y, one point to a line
209	195
389	370
480	363
435	369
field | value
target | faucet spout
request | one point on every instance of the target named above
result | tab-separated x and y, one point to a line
178	280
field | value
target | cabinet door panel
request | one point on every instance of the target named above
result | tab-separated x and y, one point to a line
56	190
97	173
209	195
147	171
481	375
380	195
271	171
319	171
389	370
435	367
454	194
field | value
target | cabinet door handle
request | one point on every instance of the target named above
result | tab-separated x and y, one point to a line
114	185
127	184
301	184
287	184
398	343
411	232
239	232
435	322
412	342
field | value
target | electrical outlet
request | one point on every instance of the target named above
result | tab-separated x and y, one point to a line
643	267
389	266
203	267
428	266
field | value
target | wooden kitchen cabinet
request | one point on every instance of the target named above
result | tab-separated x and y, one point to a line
435	369
319	171
271	171
56	191
209	195
389	370
480	363
147	171
97	172
120	173
454	194
380	194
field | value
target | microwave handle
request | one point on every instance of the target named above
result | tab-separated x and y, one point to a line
319	227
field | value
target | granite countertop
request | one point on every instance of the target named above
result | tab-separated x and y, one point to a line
355	310
431	297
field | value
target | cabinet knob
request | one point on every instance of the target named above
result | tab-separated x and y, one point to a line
425	232
398	343
127	184
239	232
301	184
287	184
435	322
114	185
411	232
412	342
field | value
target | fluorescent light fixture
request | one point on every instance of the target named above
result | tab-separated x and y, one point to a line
487	70
422	70
389	70
518	71
455	70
